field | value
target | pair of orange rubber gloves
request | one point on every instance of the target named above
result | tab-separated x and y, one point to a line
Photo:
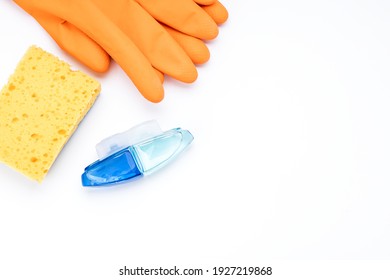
147	38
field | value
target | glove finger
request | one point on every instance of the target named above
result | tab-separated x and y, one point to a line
119	46
194	47
75	42
205	2
217	12
163	52
183	15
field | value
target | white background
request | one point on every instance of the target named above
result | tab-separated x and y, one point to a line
290	161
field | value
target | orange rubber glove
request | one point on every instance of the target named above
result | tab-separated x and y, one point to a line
76	29
94	30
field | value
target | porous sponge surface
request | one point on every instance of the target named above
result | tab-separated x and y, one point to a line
40	108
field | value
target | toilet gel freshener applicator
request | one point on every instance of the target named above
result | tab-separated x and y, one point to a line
139	151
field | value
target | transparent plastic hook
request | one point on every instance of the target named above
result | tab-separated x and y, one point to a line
134	135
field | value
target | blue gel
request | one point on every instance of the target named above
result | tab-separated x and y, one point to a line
116	168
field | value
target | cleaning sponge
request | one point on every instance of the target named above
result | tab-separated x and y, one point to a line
40	108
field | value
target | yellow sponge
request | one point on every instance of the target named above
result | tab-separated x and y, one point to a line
40	107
